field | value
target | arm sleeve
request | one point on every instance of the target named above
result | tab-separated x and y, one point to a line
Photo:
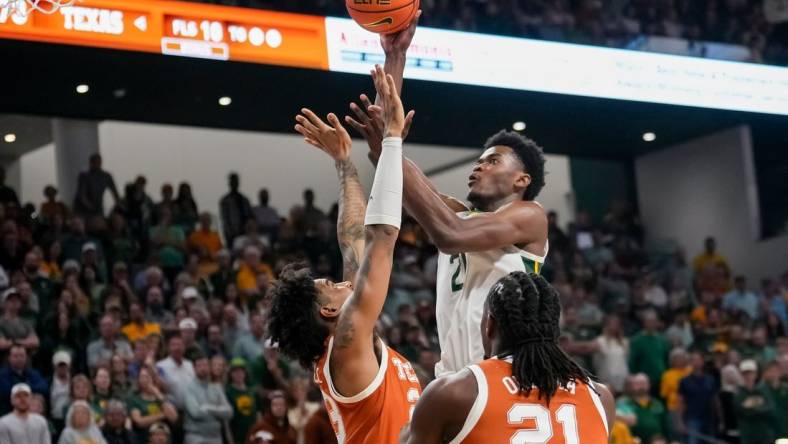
385	199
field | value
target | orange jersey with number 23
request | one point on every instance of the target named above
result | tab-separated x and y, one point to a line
503	414
377	414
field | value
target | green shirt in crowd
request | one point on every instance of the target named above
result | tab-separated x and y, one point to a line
648	353
652	417
755	411
146	408
244	411
262	377
780	397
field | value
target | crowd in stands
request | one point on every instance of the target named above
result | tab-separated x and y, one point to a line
615	23
147	325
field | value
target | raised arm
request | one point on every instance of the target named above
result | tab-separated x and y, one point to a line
335	141
353	358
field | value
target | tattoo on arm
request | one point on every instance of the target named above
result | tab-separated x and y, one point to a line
345	330
350	226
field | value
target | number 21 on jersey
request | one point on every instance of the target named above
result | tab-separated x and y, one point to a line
542	432
458	277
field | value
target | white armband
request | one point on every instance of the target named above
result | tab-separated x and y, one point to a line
385	200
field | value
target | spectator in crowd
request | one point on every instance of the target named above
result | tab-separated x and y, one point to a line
168	244
755	408
274	426
60	388
156	312
159	433
80	426
235	210
188	332
775	381
250	237
319	430
22	425
669	386
730	381
269	371
14	329
167	194
206	407
249	271
52	207
741	300
649	350
205	238
16	372
101	350
214	341
178	372
102	393
709	259
76	239
149	406
302	407
249	345
7	194
243	400
138	328
91	186
185	212
225	275
114	430
651	417
697	402
267	218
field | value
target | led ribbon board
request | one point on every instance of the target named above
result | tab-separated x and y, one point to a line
335	44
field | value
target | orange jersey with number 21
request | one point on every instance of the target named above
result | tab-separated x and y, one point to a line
377	414
503	414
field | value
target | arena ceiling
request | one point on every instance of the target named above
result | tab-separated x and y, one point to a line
40	80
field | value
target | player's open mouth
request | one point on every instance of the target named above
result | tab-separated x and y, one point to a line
472	179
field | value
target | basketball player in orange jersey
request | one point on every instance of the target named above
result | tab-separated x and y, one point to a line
369	390
504	230
530	391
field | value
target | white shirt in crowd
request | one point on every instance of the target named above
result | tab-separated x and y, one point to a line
177	377
59	397
31	428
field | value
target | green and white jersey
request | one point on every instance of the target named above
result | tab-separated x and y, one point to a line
463	282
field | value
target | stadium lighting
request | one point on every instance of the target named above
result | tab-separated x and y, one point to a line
82	88
649	137
225	101
10	138
518	126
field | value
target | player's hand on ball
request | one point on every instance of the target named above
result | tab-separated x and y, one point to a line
370	125
390	108
334	140
399	42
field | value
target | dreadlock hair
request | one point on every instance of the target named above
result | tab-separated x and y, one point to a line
526	309
529	153
294	323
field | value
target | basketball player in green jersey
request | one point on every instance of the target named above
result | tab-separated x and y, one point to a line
503	230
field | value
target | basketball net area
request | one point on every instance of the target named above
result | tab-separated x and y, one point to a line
25	7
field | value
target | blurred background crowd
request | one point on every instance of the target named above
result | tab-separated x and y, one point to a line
144	322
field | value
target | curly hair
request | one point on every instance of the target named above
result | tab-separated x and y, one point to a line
526	309
294	323
529	153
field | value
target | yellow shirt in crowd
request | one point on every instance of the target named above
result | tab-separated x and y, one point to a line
669	388
134	332
247	278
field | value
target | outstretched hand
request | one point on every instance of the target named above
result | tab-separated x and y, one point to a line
399	42
371	126
334	140
390	105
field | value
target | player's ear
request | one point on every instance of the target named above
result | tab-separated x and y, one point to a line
522	182
328	312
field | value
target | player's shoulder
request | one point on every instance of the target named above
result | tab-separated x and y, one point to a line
458	389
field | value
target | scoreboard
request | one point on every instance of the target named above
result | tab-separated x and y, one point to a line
186	29
179	28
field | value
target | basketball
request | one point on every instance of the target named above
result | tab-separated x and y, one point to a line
382	16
